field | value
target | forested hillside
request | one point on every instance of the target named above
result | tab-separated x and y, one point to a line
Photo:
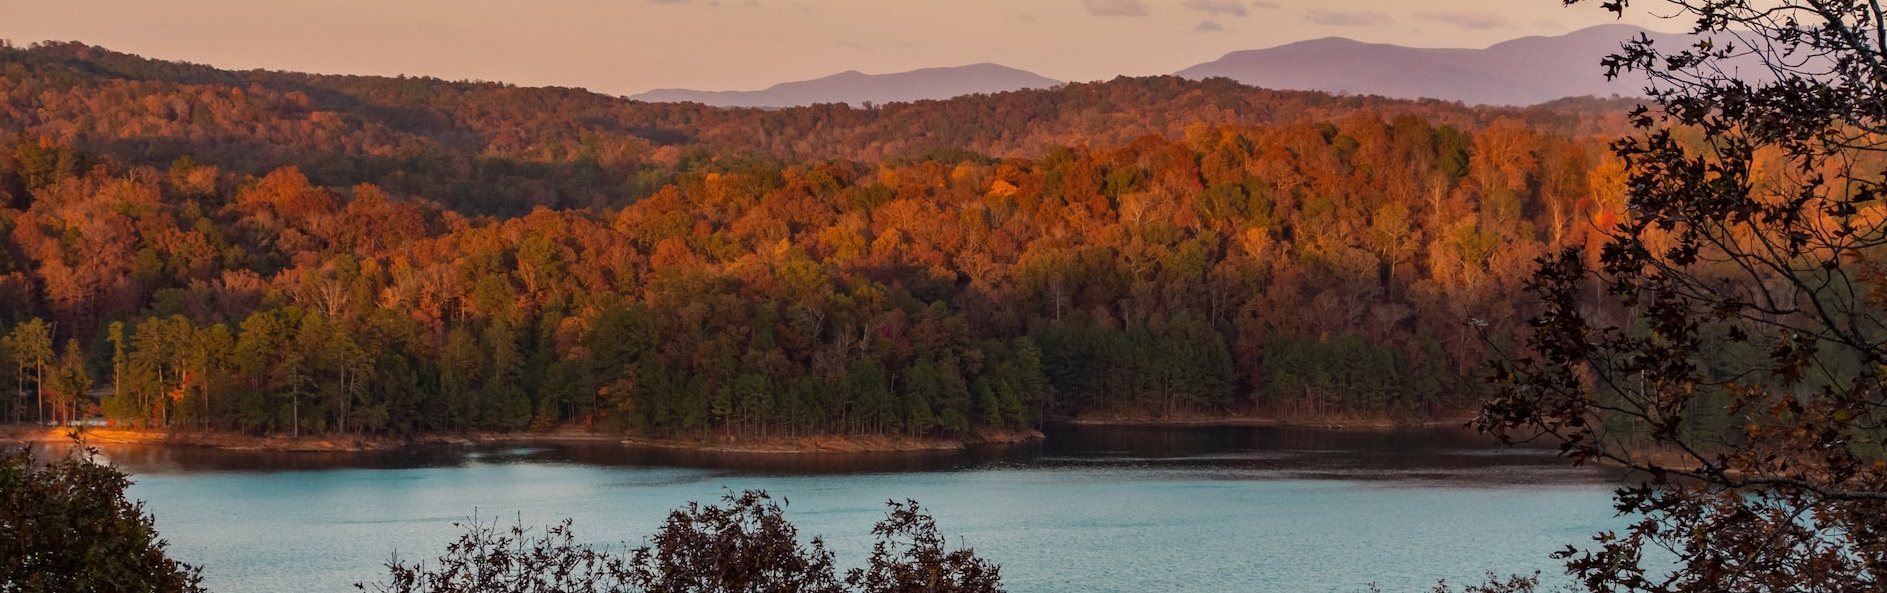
494	149
277	252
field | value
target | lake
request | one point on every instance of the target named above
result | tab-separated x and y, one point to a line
1091	509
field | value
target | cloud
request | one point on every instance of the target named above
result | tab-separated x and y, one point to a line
1466	19
1116	7
1345	18
1217	7
1208	26
668	1
1264	5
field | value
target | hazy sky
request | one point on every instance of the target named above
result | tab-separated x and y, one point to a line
629	46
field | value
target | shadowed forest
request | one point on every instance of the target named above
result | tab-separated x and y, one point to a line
272	252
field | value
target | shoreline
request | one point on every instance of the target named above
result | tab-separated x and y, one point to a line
1360	423
807	445
838	444
773	445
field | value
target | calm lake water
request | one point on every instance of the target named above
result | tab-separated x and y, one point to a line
1090	510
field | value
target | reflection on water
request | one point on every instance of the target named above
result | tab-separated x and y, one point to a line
1089	509
1277	451
1442	454
148	459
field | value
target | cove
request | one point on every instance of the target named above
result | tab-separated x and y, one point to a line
1127	509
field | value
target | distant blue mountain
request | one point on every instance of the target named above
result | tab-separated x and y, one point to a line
857	88
1524	71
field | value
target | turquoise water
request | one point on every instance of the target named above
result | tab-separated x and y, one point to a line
1130	510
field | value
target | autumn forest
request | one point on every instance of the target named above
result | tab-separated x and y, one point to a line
281	253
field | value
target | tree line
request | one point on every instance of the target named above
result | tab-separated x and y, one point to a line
489	148
1305	266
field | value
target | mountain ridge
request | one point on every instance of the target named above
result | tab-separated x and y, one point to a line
856	88
1517	72
1521	71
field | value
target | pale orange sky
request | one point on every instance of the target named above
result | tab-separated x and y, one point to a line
629	46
